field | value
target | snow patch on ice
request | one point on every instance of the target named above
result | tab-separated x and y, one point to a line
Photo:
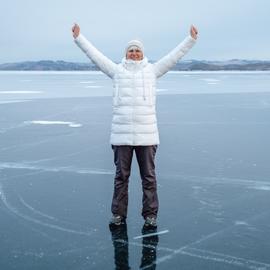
265	188
86	82
241	223
43	122
21	92
210	80
15	165
93	86
13	101
161	90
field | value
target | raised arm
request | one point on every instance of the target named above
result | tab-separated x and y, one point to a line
104	63
167	62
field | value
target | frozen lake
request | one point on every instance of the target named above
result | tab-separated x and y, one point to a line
56	174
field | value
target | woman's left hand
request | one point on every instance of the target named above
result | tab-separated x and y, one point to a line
193	31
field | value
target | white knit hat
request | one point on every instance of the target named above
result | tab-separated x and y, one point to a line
136	43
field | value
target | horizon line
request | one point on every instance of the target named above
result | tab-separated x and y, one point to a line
186	60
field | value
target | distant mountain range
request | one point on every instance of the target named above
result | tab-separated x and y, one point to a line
184	65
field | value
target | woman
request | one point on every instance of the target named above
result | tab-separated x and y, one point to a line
134	123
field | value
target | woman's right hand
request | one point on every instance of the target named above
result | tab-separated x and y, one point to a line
75	30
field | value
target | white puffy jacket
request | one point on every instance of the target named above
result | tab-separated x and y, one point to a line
134	97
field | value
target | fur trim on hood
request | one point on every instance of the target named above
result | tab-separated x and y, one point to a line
134	65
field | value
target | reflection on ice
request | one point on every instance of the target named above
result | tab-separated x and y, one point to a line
149	247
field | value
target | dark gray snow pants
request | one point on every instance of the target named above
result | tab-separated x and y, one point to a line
146	160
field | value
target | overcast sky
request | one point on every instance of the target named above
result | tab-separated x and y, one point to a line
35	30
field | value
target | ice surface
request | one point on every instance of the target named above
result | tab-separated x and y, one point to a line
56	182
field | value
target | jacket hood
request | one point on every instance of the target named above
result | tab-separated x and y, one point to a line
134	65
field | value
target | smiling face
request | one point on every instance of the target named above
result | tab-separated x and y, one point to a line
134	53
